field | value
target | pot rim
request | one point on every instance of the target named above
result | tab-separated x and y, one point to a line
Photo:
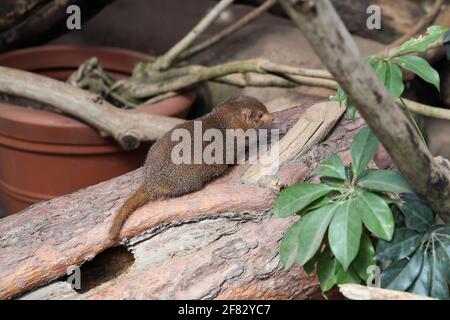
120	60
48	127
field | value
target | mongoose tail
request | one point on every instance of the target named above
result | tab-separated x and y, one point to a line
138	199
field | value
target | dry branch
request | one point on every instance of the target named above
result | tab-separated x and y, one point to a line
422	24
359	292
165	61
32	22
341	56
242	22
191	75
312	127
127	128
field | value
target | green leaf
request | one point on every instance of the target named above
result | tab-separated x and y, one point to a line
376	214
403	280
309	266
390	273
384	181
364	147
403	244
331	167
344	234
351	110
442	235
423	282
313	230
423	42
421	67
296	197
438	286
289	245
317	204
325	270
365	257
340	96
394	80
418	216
380	69
342	276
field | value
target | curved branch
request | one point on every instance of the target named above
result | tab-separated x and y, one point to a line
128	128
46	22
195	74
227	31
424	22
166	60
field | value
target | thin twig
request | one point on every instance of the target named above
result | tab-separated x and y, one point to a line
245	20
425	21
158	98
198	74
425	110
165	61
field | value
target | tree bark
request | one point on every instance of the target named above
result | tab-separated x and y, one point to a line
31	22
219	242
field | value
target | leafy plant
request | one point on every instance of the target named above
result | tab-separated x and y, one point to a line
354	205
388	68
339	214
417	259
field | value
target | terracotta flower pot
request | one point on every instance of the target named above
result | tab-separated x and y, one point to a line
44	154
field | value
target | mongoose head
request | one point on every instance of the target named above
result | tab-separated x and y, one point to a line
246	112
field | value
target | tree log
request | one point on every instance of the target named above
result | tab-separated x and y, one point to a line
31	22
219	242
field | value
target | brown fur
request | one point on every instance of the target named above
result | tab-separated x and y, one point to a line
165	179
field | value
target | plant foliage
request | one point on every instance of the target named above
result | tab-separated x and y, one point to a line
389	68
354	205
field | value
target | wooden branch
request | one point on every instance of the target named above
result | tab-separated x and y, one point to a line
268	80
39	21
165	61
312	127
341	56
195	74
218	242
359	292
242	22
14	11
127	128
398	16
421	25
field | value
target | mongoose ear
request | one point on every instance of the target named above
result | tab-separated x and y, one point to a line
246	112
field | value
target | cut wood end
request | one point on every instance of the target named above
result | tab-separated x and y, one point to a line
310	129
359	292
